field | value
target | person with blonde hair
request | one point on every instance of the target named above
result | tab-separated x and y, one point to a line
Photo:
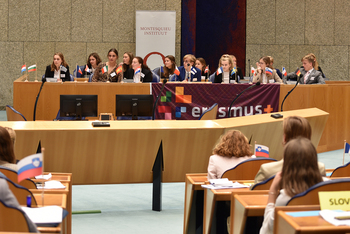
233	148
188	72
300	172
309	73
58	69
225	72
262	75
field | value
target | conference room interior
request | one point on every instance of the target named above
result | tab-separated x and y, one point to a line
117	204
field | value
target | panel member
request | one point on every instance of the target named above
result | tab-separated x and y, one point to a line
127	59
92	62
108	71
225	72
58	69
188	70
262	75
168	69
140	72
201	65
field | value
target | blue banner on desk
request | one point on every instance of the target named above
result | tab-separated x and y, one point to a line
189	100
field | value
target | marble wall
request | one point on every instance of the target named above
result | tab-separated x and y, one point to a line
289	29
33	30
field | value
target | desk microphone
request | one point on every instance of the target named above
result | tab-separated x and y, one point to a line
37	97
156	102
229	109
289	92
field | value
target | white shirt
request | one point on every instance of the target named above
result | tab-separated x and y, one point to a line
226	77
57	74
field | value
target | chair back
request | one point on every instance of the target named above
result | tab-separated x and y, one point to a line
264	185
310	196
210	114
14	115
247	169
212	77
155	78
13	176
21	193
342	171
12	219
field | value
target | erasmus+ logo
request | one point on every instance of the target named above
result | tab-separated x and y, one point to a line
179	98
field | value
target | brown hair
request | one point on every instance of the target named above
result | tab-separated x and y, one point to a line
114	50
12	135
233	144
64	63
7	153
140	60
296	126
96	56
312	59
202	61
267	60
131	57
300	168
168	71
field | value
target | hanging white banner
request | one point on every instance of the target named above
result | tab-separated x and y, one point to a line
155	36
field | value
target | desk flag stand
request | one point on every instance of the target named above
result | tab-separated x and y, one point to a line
158	168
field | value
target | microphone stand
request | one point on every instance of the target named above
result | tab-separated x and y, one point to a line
37	97
289	92
249	66
156	102
229	109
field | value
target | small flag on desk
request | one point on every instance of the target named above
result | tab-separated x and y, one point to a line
297	72
284	72
346	148
119	69
87	68
233	71
193	70
261	151
138	70
268	70
177	71
206	69
253	70
63	68
219	71
30	166
24	68
104	69
80	71
32	68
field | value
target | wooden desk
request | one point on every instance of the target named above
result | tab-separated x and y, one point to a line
125	151
287	224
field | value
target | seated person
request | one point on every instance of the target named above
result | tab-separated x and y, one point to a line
225	74
293	127
7	153
279	73
202	65
7	197
298	174
92	62
262	76
140	72
168	69
127	59
232	149
109	71
58	69
188	72
308	73
238	73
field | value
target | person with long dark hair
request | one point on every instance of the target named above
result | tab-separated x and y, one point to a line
109	71
140	72
58	69
7	153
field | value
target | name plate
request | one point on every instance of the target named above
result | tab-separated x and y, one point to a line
339	200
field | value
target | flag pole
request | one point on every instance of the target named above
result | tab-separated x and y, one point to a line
344	151
43	182
36	72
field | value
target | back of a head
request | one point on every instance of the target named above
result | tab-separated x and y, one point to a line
296	126
233	144
6	146
300	168
12	135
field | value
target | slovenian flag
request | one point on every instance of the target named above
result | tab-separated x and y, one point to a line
87	68
119	69
24	68
138	70
253	70
219	71
284	72
346	148
104	69
261	151
32	68
298	72
30	166
268	70
177	71
206	69
233	71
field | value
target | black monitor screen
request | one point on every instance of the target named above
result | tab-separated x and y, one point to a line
78	106
134	105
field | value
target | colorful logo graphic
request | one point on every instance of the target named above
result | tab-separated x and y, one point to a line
179	98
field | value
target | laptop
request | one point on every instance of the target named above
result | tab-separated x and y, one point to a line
51	79
128	80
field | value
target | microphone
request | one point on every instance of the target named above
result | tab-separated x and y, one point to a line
290	91
37	97
188	76
249	66
229	109
156	102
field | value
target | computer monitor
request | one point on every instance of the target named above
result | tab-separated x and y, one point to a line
78	106
134	105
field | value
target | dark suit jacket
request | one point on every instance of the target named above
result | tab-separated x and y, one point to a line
146	78
65	76
315	77
182	75
218	78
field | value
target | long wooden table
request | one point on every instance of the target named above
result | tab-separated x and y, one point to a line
333	97
125	152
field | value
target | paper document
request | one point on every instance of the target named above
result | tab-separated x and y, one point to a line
222	184
45	177
47	214
51	184
329	216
